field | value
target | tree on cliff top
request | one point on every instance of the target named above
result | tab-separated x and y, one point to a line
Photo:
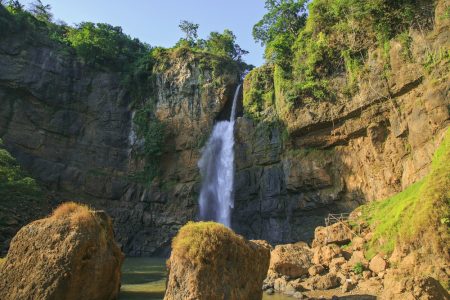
190	30
278	28
41	11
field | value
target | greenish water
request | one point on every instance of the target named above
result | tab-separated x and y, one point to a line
145	278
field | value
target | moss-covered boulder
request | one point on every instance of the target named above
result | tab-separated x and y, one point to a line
69	255
210	261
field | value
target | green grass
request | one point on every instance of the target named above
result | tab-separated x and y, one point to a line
422	207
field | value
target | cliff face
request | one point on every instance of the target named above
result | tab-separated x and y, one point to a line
72	127
335	155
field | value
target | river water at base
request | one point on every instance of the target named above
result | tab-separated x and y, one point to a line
144	278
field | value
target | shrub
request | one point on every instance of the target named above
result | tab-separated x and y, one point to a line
78	214
358	268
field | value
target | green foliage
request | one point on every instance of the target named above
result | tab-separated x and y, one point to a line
190	30
434	57
105	45
152	132
41	11
334	41
15	184
279	28
358	268
258	91
418	209
405	40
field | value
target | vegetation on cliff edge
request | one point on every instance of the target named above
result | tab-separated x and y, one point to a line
418	215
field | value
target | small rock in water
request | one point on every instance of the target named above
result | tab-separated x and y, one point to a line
270	291
298	295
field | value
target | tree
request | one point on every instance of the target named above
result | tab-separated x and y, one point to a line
41	12
190	30
15	6
284	17
225	44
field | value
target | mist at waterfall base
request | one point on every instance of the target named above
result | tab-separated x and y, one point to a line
216	166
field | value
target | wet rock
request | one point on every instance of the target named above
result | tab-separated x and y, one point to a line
210	261
70	255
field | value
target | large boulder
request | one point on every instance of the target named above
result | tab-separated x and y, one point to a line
210	261
338	233
323	255
292	260
397	286
69	255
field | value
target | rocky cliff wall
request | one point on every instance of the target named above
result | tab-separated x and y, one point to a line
72	127
295	164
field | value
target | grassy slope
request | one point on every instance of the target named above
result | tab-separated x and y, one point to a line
420	210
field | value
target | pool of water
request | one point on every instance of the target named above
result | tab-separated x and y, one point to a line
145	278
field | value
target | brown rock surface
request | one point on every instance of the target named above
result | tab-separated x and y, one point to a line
377	264
210	261
70	255
337	233
324	255
325	282
292	260
412	288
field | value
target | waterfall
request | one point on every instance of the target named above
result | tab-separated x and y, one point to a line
217	170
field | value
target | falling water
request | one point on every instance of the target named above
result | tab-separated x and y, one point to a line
217	170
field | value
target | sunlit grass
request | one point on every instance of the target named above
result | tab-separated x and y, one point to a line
421	207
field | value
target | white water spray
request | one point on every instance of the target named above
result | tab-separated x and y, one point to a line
217	169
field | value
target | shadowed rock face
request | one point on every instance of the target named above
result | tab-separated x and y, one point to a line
63	258
71	127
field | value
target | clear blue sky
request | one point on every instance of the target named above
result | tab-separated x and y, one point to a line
156	21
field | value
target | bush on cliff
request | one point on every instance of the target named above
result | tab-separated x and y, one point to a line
15	184
334	41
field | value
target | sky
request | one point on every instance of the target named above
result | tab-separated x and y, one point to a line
156	21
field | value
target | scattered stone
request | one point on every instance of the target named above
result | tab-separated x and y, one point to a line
298	295
280	284
357	244
377	264
366	274
325	282
347	286
291	260
324	255
371	286
316	270
270	291
69	255
337	233
358	257
210	261
336	264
